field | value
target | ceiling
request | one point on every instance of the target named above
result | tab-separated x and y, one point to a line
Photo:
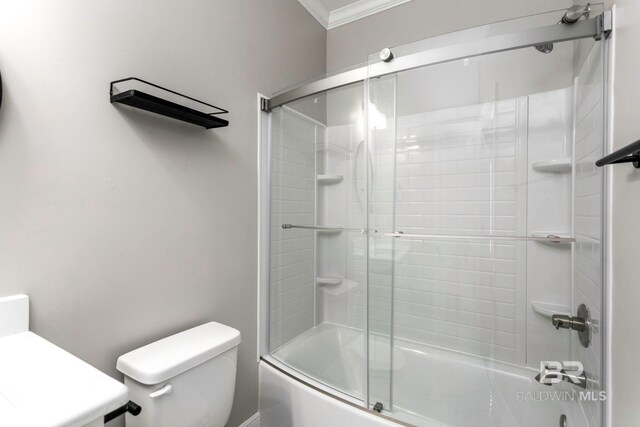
333	13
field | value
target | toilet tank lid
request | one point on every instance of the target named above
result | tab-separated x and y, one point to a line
171	356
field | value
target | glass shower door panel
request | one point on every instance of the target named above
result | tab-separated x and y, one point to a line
588	265
381	121
341	305
461	171
292	251
460	295
470	291
318	239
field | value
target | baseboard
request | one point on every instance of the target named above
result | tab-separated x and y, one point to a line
253	421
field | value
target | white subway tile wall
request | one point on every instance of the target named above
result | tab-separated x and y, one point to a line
458	174
550	210
457	171
588	274
343	204
292	252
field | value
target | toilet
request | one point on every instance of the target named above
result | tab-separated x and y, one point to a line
186	380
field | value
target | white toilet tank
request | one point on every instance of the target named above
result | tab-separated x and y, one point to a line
185	380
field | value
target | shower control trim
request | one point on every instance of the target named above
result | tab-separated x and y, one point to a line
580	323
568	322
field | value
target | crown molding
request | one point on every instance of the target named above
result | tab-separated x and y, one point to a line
318	10
352	12
359	10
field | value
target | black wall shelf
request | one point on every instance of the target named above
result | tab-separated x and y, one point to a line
135	97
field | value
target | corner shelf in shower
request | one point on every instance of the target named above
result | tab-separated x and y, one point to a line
329	280
329	179
131	95
547	309
553	166
551	235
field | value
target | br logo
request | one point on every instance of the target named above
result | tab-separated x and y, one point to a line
553	371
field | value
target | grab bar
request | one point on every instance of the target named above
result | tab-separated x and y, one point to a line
628	154
551	238
322	228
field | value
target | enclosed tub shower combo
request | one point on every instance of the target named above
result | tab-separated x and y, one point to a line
433	228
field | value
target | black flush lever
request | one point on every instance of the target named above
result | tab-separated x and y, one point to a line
131	407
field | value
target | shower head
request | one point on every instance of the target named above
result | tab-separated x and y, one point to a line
571	16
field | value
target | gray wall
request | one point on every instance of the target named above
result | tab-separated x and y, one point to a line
124	227
418	19
625	339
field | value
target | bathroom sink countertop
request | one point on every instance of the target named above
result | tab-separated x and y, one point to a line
43	385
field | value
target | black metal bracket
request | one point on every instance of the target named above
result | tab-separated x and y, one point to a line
131	407
628	154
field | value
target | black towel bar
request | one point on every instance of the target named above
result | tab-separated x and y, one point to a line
628	154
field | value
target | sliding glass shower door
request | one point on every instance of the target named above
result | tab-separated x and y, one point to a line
430	212
485	191
318	254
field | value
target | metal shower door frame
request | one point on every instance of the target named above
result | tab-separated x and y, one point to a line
596	27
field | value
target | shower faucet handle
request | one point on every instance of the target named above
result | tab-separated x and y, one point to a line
568	322
581	323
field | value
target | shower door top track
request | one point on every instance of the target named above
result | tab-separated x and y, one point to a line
595	27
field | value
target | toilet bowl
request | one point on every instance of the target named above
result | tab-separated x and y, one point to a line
185	380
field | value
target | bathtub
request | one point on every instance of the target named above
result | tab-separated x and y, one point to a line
429	386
